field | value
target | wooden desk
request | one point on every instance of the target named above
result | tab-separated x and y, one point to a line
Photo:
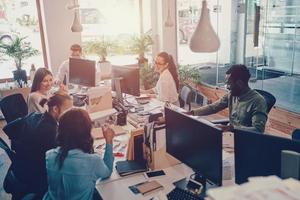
116	187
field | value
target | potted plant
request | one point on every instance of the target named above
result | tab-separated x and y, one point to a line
148	76
140	45
101	49
16	48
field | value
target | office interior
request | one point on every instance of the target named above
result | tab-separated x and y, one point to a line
263	35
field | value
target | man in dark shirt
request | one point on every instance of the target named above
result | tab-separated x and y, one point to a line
38	135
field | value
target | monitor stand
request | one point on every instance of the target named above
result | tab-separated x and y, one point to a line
119	95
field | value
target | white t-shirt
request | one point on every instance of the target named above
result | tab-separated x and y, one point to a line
34	100
166	88
63	71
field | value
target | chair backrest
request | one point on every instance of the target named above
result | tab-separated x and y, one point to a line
296	134
186	96
13	107
270	99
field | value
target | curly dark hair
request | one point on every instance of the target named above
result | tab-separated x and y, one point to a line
74	132
239	72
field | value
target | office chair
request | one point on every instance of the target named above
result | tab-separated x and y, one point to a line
296	134
185	97
290	164
269	98
270	101
13	107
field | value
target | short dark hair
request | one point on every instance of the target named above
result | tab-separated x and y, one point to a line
76	47
239	72
38	78
74	132
57	99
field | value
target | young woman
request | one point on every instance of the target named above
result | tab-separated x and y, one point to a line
168	83
73	168
41	85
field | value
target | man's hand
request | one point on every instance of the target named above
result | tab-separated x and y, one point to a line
108	134
225	127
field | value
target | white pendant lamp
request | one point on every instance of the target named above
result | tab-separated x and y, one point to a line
204	39
169	21
76	26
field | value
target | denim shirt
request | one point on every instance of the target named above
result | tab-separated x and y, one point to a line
248	111
78	175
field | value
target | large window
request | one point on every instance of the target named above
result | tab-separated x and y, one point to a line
115	21
19	17
211	65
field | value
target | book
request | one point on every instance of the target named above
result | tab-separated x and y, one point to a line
149	186
128	167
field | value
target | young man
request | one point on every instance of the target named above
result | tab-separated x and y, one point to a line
247	108
63	70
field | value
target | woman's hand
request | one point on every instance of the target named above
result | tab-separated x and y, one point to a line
108	134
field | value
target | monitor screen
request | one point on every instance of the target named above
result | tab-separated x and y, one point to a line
259	154
82	72
129	77
196	143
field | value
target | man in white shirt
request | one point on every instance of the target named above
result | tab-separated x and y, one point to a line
63	70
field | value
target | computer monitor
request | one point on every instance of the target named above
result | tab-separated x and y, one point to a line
128	77
259	154
196	143
82	72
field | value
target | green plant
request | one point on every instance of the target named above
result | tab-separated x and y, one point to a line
140	45
17	49
148	76
188	74
99	47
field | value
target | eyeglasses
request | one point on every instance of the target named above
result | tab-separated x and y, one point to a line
157	63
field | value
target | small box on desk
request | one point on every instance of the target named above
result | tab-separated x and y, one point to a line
99	99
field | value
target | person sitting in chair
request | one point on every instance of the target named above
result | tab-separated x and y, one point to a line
36	137
247	108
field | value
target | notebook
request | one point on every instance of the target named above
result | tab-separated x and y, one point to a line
128	167
149	187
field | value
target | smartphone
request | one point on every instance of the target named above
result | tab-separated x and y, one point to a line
154	173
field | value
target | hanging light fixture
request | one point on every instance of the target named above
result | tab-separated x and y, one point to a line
169	21
204	39
76	26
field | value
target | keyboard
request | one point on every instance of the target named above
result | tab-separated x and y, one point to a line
180	194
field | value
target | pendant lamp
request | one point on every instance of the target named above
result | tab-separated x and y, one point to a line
204	39
169	22
76	26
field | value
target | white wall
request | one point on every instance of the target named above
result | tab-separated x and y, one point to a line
58	34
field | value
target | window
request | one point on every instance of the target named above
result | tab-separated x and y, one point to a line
21	18
115	21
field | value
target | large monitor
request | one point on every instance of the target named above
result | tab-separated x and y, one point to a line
196	143
82	72
259	154
128	77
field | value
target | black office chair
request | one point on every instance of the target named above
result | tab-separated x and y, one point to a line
269	98
296	134
13	106
185	97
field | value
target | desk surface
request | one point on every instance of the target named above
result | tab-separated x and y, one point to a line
116	187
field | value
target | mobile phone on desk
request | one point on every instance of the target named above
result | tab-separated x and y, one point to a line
154	173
